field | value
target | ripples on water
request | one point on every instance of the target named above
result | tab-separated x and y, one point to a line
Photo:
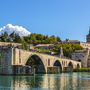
64	81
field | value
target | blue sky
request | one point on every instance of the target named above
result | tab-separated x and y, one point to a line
64	18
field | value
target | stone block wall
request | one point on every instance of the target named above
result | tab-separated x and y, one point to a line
23	70
54	69
82	57
67	69
6	61
15	53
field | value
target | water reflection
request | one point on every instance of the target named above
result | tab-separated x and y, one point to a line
64	81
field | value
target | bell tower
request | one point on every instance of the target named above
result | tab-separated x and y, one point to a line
88	36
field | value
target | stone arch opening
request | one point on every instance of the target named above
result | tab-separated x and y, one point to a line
78	66
70	64
57	63
35	61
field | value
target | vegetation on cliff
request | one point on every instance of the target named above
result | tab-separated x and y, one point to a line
67	48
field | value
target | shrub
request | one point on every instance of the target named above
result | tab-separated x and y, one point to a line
82	70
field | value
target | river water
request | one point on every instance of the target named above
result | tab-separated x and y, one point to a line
63	81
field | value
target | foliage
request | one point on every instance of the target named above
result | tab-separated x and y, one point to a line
40	37
8	38
33	60
30	62
33	38
17	38
82	70
51	39
24	44
4	36
12	35
58	39
42	50
67	48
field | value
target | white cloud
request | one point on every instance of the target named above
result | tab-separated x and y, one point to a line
17	29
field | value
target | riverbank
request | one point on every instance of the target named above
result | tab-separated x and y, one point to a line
82	70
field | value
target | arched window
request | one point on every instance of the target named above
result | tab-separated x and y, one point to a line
78	66
79	60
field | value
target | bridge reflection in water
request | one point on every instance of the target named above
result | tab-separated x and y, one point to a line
67	81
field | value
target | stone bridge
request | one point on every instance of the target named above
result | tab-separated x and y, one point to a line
14	56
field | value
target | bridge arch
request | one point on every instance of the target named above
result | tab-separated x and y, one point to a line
37	62
70	64
57	63
78	66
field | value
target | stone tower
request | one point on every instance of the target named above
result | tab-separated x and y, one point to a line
61	52
88	36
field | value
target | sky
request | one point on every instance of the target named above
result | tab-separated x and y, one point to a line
68	19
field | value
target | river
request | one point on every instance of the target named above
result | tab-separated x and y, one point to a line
63	81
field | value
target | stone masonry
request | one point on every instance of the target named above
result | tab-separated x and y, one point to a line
9	67
15	57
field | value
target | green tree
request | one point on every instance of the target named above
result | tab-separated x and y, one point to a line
17	38
12	35
40	37
50	40
24	44
30	62
58	39
5	34
67	48
33	38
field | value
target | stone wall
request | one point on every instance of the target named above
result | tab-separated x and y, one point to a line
67	69
47	60
82	56
88	62
85	45
10	64
55	69
14	56
23	70
6	61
